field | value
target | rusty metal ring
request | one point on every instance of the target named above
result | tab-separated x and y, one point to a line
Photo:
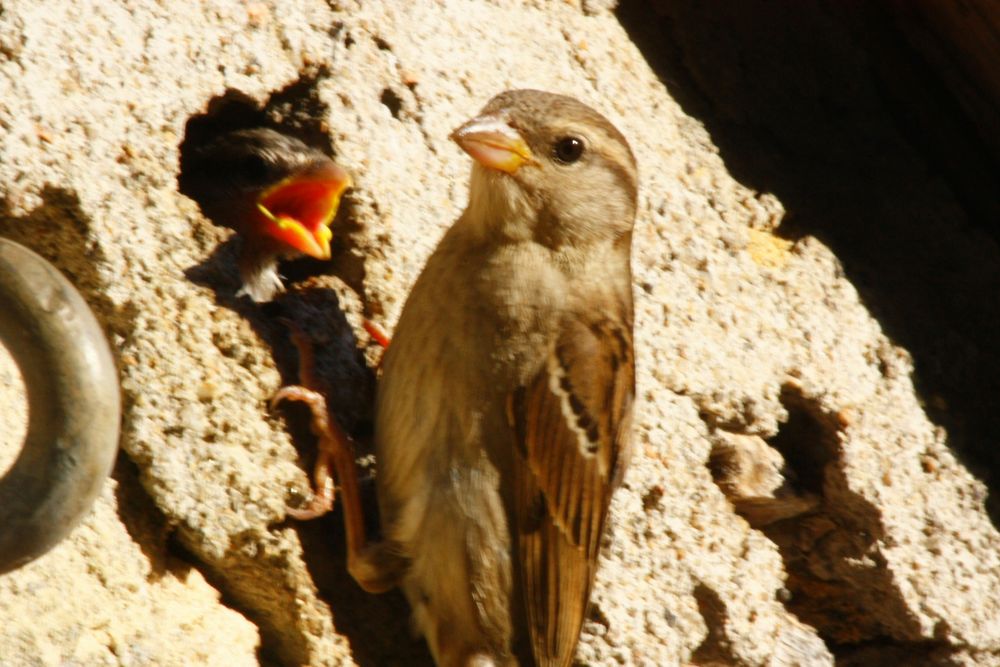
74	406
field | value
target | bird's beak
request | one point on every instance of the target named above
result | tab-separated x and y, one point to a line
493	143
301	207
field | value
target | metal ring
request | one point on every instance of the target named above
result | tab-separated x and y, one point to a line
74	406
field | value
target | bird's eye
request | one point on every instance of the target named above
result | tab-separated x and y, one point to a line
568	149
255	167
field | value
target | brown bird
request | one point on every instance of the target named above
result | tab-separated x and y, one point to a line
279	194
504	407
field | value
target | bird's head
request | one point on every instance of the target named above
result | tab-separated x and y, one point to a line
299	208
267	184
549	167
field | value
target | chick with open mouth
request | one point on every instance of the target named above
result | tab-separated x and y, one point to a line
279	194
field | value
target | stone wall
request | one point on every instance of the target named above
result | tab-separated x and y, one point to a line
815	280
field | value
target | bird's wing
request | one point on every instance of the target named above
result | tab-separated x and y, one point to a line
572	428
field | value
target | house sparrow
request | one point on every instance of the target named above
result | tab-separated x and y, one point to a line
277	193
504	406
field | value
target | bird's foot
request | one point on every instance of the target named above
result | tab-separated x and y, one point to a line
375	567
331	442
376	332
378	335
334	447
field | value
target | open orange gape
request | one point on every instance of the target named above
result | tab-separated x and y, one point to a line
300	208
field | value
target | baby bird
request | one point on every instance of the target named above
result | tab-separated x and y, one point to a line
277	193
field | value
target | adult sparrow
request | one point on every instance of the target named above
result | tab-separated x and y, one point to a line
504	406
279	194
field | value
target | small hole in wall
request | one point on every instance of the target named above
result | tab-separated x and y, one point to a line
231	111
392	102
295	110
807	441
298	111
301	112
836	581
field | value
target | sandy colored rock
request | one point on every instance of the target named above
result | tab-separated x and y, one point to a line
111	594
745	332
14	416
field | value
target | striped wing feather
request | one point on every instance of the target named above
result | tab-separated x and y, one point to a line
572	426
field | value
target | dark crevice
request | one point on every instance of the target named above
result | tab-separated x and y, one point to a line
298	109
830	108
715	648
828	536
234	579
348	385
894	654
377	626
837	580
807	441
768	482
392	101
146	524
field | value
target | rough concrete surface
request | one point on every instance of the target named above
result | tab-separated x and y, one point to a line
795	498
14	416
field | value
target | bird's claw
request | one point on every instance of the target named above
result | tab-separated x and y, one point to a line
335	453
330	437
320	504
300	394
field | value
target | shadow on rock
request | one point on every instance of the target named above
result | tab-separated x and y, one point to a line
830	107
377	626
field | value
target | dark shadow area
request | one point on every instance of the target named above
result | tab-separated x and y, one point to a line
59	231
342	374
264	319
348	385
837	581
807	441
146	524
886	654
296	110
828	106
715	648
925	654
377	626
233	591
